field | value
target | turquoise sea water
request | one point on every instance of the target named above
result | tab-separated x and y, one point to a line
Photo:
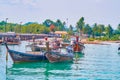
100	62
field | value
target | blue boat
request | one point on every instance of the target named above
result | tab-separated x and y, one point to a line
26	57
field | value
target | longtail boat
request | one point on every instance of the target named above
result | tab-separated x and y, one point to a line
11	38
26	57
11	42
78	46
59	55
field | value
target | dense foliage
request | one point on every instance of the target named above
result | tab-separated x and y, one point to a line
96	31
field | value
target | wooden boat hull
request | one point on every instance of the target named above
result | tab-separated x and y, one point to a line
57	57
26	57
78	48
65	44
11	43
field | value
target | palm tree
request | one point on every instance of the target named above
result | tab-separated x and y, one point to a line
80	25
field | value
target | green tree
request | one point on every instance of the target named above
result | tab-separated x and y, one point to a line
109	31
87	30
60	25
118	27
80	25
95	30
48	22
101	29
70	30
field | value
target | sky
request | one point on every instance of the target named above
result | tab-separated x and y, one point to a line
94	11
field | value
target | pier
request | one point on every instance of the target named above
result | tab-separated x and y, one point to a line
24	36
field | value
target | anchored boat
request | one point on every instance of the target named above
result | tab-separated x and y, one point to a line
26	57
59	54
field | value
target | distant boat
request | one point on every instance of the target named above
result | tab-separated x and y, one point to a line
119	48
26	57
11	38
11	41
77	46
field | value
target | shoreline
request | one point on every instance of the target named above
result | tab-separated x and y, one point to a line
98	42
84	41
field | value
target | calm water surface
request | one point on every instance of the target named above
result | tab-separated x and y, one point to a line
99	62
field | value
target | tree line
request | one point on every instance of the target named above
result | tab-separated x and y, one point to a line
96	31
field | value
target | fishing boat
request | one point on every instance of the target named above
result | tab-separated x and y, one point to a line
38	47
77	46
119	47
11	38
11	41
59	55
26	57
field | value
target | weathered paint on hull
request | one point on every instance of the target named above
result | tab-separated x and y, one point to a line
58	58
26	57
78	48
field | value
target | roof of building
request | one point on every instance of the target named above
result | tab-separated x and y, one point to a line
61	32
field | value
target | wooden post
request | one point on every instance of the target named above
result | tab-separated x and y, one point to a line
77	38
6	55
47	44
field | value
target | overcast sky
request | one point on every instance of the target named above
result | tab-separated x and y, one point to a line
94	11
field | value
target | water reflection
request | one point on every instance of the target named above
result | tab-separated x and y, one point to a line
100	62
119	52
44	70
